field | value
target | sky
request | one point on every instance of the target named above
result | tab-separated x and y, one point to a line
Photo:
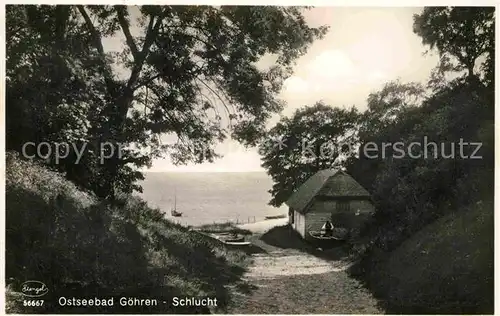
364	48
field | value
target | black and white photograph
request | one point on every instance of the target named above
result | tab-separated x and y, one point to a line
249	159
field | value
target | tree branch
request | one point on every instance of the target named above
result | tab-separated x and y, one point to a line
120	10
62	17
141	57
217	95
108	76
147	81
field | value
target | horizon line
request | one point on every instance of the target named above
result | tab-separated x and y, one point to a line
204	171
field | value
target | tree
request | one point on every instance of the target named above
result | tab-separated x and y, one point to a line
186	67
412	191
389	105
461	33
53	86
391	113
314	138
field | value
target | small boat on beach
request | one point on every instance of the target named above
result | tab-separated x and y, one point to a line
229	239
234	238
275	216
337	234
237	243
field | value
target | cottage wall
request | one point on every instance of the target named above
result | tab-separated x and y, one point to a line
294	224
363	205
322	211
300	224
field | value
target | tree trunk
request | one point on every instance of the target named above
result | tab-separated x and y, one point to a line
470	70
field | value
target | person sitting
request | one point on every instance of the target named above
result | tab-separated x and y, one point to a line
328	228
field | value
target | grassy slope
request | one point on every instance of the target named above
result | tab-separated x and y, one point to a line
447	267
83	247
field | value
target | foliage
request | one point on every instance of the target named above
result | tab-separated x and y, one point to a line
462	33
421	190
185	71
314	138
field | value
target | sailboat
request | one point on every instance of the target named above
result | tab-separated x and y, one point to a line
174	211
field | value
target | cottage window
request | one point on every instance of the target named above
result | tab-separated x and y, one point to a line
343	206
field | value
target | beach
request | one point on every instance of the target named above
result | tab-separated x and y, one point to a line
263	226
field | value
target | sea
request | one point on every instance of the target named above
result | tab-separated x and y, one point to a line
207	198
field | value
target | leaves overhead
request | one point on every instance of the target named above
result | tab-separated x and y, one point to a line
186	71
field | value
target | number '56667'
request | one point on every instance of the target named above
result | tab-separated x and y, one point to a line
33	302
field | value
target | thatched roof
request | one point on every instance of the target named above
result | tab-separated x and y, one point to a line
328	183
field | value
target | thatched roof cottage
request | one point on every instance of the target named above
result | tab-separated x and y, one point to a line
329	195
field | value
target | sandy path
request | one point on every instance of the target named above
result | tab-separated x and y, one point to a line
291	281
285	283
286	263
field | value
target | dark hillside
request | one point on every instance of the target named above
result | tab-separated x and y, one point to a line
80	247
